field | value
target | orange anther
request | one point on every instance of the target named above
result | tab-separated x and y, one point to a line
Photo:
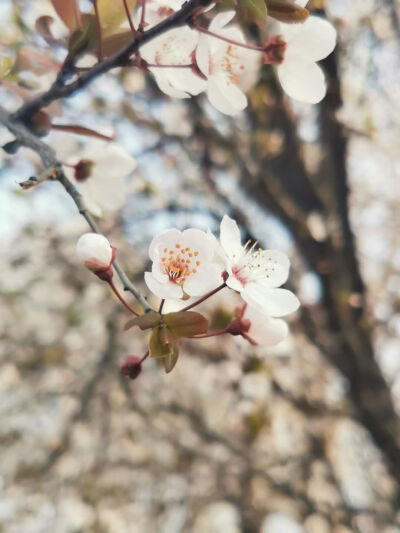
197	263
177	245
196	254
194	271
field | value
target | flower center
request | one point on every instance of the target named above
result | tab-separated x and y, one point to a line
253	265
231	63
179	263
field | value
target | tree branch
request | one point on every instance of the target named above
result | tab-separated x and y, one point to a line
48	156
119	59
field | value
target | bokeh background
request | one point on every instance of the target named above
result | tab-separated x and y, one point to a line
300	438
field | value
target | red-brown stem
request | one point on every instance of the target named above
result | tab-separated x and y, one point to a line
161	306
154	65
205	297
98	26
142	16
211	334
128	16
146	355
121	299
227	40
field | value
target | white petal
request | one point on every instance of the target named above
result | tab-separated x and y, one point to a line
221	20
94	247
107	191
162	290
275	302
186	80
301	3
199	241
302	80
276	265
207	279
165	86
230	238
314	39
264	330
158	271
165	239
203	55
226	97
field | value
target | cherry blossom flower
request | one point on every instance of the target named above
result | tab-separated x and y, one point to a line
174	47
304	44
95	251
264	330
256	274
182	263
228	68
101	172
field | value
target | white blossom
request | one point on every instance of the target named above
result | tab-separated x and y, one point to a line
256	274
264	330
228	68
174	47
182	263
105	189
305	44
94	251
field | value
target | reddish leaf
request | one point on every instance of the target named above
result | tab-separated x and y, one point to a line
145	321
186	323
42	26
68	11
81	130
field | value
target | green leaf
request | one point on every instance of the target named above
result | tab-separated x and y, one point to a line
84	39
146	321
170	360
253	11
286	11
161	342
115	42
186	323
11	147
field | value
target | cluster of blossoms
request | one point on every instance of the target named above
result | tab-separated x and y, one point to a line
191	266
218	61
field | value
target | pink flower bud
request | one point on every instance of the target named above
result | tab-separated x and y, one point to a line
131	366
96	253
274	50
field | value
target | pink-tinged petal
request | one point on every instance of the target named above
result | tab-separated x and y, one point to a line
302	80
204	281
165	239
311	40
234	284
162	290
230	238
276	265
221	20
274	302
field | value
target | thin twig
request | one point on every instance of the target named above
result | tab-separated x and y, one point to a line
48	156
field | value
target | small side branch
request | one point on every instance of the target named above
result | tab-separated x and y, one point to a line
48	156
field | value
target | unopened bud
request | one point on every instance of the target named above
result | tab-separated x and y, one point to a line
238	326
83	169
97	254
274	50
131	366
40	123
